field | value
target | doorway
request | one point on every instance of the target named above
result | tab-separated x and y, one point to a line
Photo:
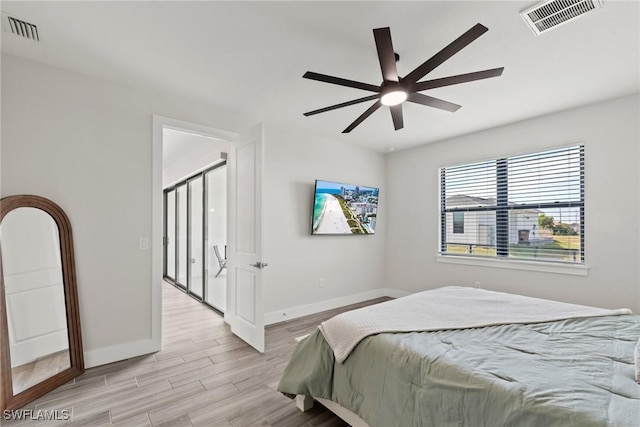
244	306
195	235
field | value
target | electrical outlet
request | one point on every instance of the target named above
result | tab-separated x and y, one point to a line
476	284
321	282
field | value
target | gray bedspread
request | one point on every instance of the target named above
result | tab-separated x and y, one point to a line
577	372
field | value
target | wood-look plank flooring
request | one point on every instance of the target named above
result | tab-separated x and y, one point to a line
203	376
32	373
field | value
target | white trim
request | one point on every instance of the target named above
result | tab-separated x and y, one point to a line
156	237
308	309
115	353
196	129
512	264
160	123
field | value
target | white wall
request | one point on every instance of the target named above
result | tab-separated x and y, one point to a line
86	144
351	266
610	132
185	154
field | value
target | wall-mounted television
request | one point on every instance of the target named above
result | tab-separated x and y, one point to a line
344	208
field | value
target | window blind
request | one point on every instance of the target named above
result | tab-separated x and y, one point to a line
528	206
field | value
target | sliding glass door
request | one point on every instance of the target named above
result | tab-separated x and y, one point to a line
216	233
196	236
170	234
181	252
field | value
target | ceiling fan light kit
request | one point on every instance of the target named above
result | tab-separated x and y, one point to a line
394	97
394	90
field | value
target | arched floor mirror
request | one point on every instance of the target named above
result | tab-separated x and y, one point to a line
40	339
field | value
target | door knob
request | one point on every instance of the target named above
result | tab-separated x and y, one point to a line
259	264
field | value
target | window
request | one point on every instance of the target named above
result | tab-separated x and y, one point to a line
458	222
528	207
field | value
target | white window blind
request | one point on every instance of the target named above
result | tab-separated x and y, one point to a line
529	206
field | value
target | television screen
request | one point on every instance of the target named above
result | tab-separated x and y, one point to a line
344	209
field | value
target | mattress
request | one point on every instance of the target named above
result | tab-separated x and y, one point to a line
574	372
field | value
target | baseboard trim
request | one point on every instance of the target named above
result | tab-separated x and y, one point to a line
103	356
308	309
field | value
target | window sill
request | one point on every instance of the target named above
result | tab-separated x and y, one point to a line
512	264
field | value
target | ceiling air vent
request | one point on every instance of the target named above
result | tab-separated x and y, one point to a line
550	14
21	28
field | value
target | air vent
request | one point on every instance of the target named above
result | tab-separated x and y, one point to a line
20	28
550	14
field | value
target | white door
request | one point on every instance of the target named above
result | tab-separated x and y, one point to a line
245	310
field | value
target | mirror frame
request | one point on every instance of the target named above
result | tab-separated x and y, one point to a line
9	401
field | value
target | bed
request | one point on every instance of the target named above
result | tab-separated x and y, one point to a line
552	365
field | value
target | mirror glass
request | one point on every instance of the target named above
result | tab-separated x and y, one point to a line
34	297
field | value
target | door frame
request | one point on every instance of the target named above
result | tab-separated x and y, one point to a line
157	209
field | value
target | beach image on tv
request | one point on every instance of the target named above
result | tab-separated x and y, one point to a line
344	209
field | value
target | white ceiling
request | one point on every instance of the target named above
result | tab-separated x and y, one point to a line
249	58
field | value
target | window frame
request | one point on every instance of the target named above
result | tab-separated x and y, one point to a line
503	208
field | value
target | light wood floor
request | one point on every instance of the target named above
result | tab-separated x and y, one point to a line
32	373
203	376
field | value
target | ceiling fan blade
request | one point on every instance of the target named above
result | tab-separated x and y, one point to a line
340	81
460	78
344	104
430	101
454	47
396	116
386	55
363	116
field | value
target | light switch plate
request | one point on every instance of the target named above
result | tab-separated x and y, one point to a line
143	245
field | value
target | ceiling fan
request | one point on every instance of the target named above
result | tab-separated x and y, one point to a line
394	90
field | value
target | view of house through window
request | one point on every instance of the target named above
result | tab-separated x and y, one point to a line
458	222
529	206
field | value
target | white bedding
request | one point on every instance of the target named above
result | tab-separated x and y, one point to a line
451	307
